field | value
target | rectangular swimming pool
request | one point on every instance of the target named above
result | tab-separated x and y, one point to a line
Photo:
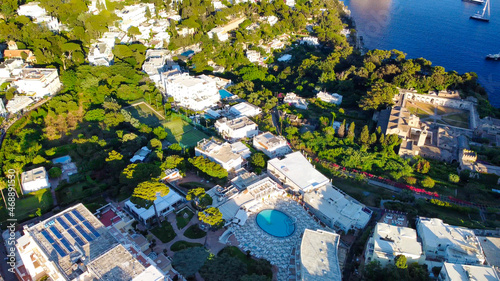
62	160
224	94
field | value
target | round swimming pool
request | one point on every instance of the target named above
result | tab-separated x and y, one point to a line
276	223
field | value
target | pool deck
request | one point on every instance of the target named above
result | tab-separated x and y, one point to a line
277	251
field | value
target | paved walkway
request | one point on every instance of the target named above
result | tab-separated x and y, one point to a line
211	241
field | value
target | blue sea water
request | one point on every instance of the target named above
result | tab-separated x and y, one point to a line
437	30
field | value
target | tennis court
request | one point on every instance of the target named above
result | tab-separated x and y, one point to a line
182	132
145	115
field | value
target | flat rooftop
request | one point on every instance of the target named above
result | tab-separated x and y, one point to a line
298	169
460	272
33	175
66	235
269	141
318	256
116	264
395	240
491	248
222	152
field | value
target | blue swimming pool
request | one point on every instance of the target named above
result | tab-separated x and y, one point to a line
276	223
224	94
62	160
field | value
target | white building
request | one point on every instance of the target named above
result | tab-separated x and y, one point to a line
11	68
196	93
3	110
220	32
101	54
444	242
389	241
236	129
271	145
337	209
34	180
155	64
330	98
75	245
309	40
296	101
134	15
272	20
319	256
460	272
38	82
295	172
253	56
18	103
245	109
221	153
164	206
32	10
39	16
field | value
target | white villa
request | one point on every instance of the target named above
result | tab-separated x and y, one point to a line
319	256
309	40
245	109
220	33
38	82
155	64
296	101
34	180
221	153
101	54
295	172
453	244
330	98
460	272
271	145
253	56
196	93
18	103
39	16
3	110
134	15
337	209
389	241
11	68
236	129
164	206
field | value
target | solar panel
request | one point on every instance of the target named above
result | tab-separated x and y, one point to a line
47	236
91	228
67	245
76	237
78	215
70	219
63	223
84	233
59	250
56	232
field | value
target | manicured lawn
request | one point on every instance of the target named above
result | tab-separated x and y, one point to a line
27	206
181	245
165	233
193	184
181	221
194	232
254	266
182	132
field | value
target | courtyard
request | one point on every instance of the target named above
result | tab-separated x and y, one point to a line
439	114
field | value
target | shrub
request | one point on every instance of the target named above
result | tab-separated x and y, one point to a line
454	178
411	180
423	166
55	172
427	182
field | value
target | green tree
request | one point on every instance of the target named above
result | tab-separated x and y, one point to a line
258	160
411	180
454	178
55	172
155	144
95	115
211	216
133	31
172	162
364	137
114	156
190	260
427	182
222	268
380	95
400	261
423	166
350	132
160	132
201	198
147	192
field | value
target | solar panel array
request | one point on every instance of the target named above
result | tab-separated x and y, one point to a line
60	239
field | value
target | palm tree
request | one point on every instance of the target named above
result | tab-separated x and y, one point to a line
147	192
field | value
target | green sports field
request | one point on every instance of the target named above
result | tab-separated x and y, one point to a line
179	131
